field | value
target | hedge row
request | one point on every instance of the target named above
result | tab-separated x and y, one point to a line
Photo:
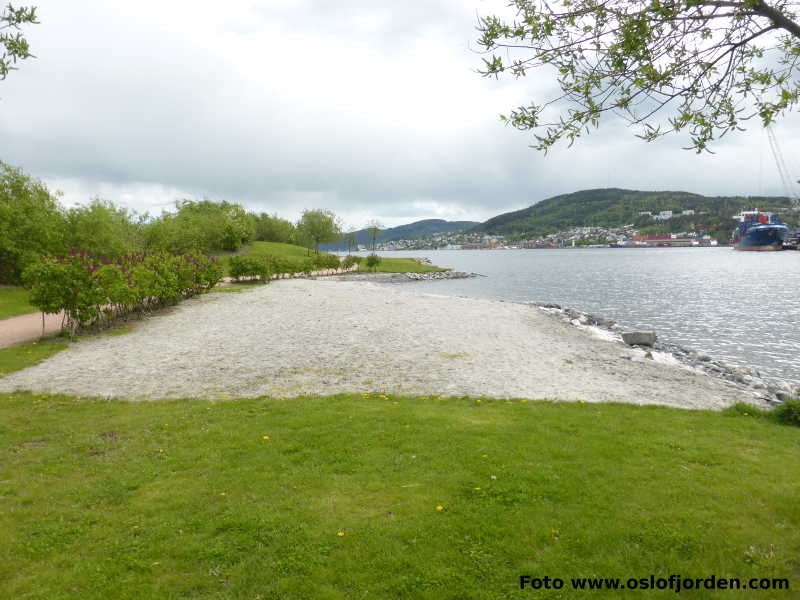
94	291
266	266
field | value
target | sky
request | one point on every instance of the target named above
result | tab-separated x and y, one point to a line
370	108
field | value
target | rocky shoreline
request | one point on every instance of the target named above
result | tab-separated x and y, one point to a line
404	277
745	377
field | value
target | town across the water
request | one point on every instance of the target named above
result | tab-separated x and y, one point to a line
626	236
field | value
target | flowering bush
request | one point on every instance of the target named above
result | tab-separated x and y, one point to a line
87	288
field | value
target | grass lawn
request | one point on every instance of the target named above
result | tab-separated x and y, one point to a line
23	356
383	497
290	252
14	301
402	265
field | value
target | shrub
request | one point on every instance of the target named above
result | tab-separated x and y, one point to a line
86	288
326	261
373	260
247	266
788	413
280	265
349	261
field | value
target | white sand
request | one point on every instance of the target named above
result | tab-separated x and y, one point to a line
299	337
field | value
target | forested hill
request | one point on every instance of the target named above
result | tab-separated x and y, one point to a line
419	229
612	207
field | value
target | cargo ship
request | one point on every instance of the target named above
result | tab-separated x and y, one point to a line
758	230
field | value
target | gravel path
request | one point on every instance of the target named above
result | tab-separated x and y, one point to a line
298	337
28	328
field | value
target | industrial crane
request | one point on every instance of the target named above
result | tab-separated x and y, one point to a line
793	241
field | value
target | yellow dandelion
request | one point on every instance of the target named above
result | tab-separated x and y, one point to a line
478	401
161	450
264	437
440	507
477	489
524	401
222	493
340	534
135	527
582	401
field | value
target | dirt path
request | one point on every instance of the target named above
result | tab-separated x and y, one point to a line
27	328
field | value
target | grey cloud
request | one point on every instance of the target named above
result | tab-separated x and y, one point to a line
367	108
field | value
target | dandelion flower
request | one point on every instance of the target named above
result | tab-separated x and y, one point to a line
135	527
264	437
478	401
222	493
477	489
340	534
440	508
524	400
161	450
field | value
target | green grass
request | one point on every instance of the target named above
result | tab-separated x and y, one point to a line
20	357
236	286
14	301
172	499
402	265
290	252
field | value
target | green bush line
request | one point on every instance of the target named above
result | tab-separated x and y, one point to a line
263	267
787	413
94	292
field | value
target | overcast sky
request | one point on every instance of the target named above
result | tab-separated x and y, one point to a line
371	108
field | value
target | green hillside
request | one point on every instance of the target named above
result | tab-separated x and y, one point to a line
411	231
614	207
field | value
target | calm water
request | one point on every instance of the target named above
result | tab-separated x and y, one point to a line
741	307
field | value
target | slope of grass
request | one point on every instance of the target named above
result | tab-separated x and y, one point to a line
369	496
13	302
278	250
402	265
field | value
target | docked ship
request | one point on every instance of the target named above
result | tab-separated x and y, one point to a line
759	231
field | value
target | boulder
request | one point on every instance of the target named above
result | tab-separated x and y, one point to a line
639	338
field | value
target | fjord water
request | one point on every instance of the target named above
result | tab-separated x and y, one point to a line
740	307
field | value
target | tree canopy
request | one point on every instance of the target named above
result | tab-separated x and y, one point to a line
13	45
713	64
318	227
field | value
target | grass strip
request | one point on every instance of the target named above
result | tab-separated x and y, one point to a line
23	356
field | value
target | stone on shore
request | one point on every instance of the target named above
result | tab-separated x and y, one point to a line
639	338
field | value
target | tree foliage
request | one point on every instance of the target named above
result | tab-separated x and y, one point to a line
103	229
318	227
716	63
201	226
13	45
373	231
31	222
271	228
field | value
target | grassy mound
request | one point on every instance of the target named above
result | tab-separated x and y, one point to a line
375	496
403	265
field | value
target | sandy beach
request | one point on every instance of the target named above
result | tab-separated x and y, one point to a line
300	337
